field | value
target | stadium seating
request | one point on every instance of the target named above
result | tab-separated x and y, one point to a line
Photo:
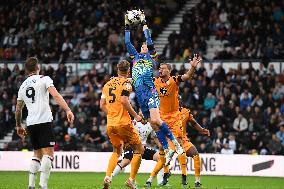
71	30
243	29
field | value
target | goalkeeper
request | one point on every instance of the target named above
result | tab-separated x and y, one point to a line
148	98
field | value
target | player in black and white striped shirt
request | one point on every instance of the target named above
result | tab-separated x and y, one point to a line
34	92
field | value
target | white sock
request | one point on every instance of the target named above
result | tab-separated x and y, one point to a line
116	170
197	179
150	179
34	168
160	176
45	170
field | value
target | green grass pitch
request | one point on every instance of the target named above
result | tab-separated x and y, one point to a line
19	180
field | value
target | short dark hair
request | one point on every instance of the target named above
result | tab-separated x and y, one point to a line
31	64
168	65
123	66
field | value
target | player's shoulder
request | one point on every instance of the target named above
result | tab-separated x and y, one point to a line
157	80
176	78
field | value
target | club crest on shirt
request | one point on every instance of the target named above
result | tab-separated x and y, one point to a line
163	91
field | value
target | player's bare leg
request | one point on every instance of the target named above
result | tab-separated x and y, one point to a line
138	150
34	168
163	133
45	167
111	165
193	153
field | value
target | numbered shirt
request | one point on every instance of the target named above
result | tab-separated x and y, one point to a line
33	92
112	92
168	93
144	131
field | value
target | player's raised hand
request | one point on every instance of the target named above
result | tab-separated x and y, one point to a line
70	116
21	132
196	60
205	132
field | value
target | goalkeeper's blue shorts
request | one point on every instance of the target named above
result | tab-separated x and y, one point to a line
148	99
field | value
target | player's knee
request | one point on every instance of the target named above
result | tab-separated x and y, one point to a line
141	149
46	163
156	122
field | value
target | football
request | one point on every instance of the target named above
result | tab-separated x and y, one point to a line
134	17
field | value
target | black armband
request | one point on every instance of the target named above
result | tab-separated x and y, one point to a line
125	93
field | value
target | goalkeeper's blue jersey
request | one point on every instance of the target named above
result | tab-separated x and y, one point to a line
143	64
142	71
142	74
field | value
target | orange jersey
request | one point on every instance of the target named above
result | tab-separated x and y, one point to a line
168	93
112	91
186	116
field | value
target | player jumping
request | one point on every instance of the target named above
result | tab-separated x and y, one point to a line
148	98
34	92
115	103
168	88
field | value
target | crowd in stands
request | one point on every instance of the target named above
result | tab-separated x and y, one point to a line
252	29
72	30
242	108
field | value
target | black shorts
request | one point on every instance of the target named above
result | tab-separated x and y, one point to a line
148	154
41	135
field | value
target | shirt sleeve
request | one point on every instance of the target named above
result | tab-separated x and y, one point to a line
130	48
103	96
177	79
20	95
48	82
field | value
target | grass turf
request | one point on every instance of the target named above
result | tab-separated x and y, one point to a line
19	180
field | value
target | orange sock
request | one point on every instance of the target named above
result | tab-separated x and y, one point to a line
112	163
135	164
197	163
182	161
166	169
159	164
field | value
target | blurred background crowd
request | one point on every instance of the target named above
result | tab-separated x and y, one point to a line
243	109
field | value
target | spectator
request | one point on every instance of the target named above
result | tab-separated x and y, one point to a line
232	142
274	146
85	53
245	100
280	135
255	144
226	149
240	123
72	130
209	101
219	142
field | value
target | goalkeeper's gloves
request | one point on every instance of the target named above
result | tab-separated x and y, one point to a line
127	23
142	18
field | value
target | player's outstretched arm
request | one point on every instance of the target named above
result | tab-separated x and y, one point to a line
18	117
198	127
194	62
130	48
62	103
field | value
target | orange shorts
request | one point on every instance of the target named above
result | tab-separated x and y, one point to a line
125	134
186	144
173	120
